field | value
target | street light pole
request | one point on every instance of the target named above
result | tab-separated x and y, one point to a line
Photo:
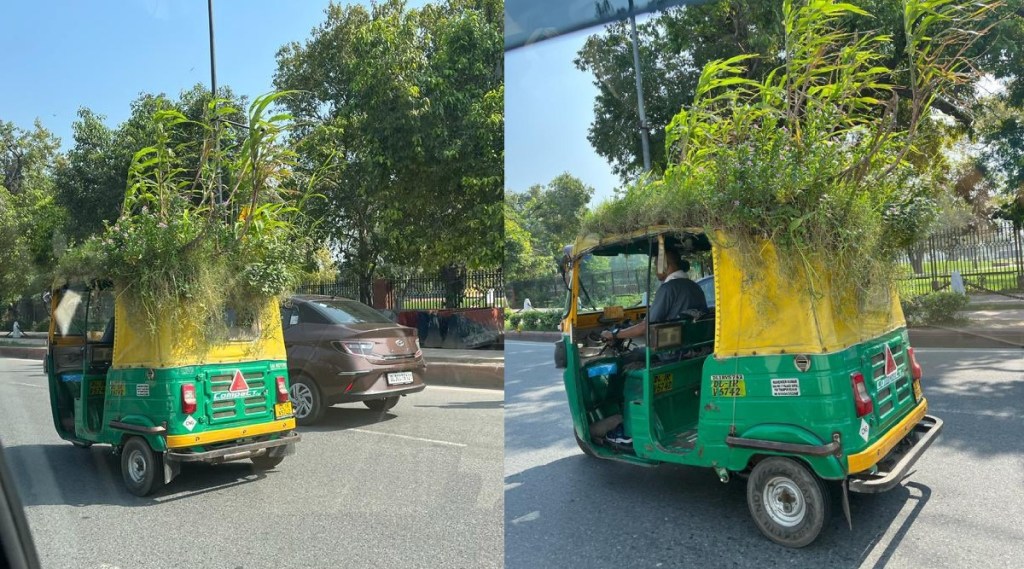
213	92
639	92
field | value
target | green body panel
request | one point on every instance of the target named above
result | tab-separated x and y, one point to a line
687	422
152	398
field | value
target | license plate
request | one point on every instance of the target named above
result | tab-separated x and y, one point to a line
917	391
282	410
662	383
399	378
728	386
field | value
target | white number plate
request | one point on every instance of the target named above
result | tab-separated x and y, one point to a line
400	378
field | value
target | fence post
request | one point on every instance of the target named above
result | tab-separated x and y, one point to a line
1020	258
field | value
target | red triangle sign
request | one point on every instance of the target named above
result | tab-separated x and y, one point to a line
238	382
890	362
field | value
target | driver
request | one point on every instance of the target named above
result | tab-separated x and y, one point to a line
675	296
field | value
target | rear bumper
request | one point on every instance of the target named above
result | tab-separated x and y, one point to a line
381	394
901	459
277	447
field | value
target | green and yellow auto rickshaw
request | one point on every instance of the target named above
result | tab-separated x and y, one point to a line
162	397
799	388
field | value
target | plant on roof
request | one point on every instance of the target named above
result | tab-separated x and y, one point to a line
224	236
814	158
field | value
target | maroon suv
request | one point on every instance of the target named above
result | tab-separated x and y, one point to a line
340	351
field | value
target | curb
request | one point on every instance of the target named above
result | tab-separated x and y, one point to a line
480	376
480	373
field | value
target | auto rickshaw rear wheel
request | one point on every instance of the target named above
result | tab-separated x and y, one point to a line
266	462
788	502
81	444
141	468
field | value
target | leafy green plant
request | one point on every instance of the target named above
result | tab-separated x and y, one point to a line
935	308
813	158
225	237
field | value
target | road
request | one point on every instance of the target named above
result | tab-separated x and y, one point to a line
960	508
417	487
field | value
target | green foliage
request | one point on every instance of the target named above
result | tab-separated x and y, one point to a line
935	308
812	157
539	320
30	220
401	129
176	245
550	218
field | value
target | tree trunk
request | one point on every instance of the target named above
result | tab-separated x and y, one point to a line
916	256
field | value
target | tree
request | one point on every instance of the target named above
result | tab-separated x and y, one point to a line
91	182
677	44
403	134
551	214
29	218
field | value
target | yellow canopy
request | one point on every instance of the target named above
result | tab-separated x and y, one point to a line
759	310
181	344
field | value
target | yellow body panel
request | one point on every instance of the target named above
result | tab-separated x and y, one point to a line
762	311
221	435
870	456
135	345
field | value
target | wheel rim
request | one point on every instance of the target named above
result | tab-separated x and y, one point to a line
784	502
302	399
137	466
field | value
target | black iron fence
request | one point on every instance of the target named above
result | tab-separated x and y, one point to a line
443	290
989	257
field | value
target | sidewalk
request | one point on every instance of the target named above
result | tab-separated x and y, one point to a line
483	369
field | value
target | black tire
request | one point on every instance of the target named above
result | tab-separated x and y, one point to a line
81	444
381	404
583	446
141	468
266	462
307	402
789	503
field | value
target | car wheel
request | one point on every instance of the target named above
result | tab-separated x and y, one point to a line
141	468
307	403
381	404
266	462
789	504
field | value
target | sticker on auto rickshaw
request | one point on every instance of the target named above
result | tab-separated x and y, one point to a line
785	387
662	383
728	386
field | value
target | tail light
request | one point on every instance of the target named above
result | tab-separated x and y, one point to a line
915	368
282	390
188	398
860	394
354	348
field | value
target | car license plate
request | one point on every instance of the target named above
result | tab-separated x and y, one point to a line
282	410
400	378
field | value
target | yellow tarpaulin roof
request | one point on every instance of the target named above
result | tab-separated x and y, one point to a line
135	345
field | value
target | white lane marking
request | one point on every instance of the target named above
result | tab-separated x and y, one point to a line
437	442
466	389
996	414
528	517
25	384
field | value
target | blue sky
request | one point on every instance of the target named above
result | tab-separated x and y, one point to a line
64	54
549	105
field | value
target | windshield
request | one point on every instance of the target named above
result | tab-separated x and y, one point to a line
349	312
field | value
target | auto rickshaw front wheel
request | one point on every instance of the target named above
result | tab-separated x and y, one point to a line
789	504
141	468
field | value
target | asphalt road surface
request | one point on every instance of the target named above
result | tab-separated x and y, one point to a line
419	486
962	507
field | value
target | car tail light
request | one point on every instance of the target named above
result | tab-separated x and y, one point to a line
860	394
915	368
188	398
355	348
282	390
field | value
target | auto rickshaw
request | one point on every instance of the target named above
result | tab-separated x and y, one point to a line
798	388
162	397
